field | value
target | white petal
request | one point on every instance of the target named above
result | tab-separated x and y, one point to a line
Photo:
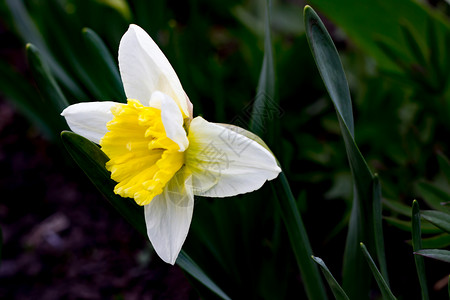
144	69
190	107
169	215
172	119
89	119
224	162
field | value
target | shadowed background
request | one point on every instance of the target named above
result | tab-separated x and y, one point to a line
61	240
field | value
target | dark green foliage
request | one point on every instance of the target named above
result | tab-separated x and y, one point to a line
390	58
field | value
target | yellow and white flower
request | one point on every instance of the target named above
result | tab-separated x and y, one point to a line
159	155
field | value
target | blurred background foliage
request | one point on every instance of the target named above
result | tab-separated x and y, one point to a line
395	54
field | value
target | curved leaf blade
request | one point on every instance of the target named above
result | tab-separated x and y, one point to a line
44	79
300	244
378	228
263	109
434	196
437	241
329	65
29	33
439	254
382	284
14	87
355	279
265	104
104	64
438	218
337	290
417	245
426	228
188	265
92	161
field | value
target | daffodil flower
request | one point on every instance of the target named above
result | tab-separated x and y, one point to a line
159	155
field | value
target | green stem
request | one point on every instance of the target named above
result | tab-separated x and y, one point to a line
417	245
311	278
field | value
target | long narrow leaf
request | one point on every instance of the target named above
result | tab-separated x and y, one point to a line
413	45
382	284
300	244
434	196
417	245
337	290
30	34
188	265
355	279
263	110
438	218
264	103
426	228
438	241
45	80
439	254
105	65
398	207
15	88
329	65
362	23
378	228
92	161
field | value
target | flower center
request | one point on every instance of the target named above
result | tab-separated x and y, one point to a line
142	158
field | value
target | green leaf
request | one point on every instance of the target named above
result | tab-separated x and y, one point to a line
188	265
438	241
365	22
438	218
337	290
28	31
92	161
329	65
45	80
439	254
265	105
417	245
393	54
434	196
300	244
120	5
378	228
17	89
426	228
397	207
263	109
284	18
382	284
104	64
355	278
412	43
